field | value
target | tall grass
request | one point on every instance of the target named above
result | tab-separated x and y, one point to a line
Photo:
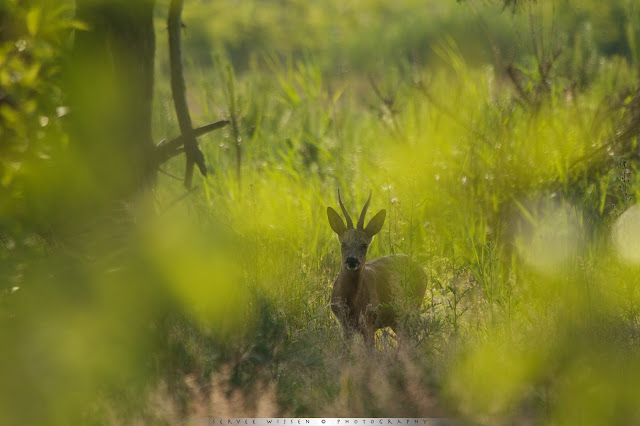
217	303
527	304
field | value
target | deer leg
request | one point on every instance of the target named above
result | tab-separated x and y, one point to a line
340	310
369	339
347	333
368	334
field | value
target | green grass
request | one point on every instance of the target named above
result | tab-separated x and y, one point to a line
492	196
217	303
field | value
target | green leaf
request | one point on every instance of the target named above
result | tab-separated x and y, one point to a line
78	25
31	75
9	115
33	21
525	212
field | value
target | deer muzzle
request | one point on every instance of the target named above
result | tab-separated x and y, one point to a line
352	263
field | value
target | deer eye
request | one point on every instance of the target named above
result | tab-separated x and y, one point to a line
343	245
365	246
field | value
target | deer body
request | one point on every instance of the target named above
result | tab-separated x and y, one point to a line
366	295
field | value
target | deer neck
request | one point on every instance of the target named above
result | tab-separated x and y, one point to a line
351	281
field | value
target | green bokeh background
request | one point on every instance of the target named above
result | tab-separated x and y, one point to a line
481	131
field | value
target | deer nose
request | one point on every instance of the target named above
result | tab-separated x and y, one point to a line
352	263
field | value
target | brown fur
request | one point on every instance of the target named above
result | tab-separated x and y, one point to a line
369	296
367	300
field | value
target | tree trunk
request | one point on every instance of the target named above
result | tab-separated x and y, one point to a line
110	88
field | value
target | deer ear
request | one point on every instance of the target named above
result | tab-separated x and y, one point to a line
375	224
336	222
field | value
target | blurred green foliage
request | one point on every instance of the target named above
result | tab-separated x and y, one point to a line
34	38
503	146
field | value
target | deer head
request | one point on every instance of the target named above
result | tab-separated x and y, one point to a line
355	241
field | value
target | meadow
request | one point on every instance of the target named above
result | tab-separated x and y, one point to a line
503	145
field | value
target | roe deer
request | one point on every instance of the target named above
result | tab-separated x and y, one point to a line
366	295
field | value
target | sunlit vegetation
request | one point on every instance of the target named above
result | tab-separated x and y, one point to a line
501	138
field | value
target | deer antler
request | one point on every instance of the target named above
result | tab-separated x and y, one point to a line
364	212
344	211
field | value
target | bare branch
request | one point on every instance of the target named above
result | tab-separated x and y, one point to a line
165	150
178	90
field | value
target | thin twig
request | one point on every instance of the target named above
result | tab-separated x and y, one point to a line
164	172
388	101
180	198
233	115
389	107
511	72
